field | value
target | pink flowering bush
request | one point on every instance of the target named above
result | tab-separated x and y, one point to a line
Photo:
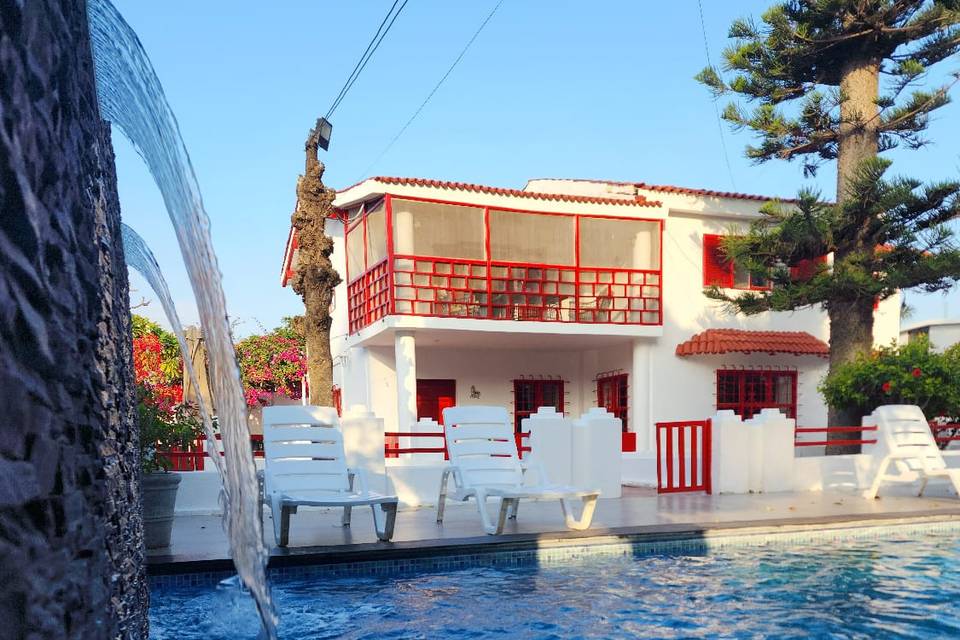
271	364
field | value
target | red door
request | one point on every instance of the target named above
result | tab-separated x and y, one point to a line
433	396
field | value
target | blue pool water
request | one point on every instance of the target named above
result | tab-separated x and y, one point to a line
898	587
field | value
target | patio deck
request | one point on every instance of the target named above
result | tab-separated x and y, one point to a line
316	536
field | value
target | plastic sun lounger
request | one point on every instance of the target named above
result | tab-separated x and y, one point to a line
906	442
485	464
305	466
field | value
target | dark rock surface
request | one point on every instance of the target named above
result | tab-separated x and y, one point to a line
71	548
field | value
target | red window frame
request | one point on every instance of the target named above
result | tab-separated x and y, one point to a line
720	271
472	288
613	392
524	405
747	391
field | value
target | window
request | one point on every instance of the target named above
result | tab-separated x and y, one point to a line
747	392
532	238
619	244
722	272
612	395
530	395
437	230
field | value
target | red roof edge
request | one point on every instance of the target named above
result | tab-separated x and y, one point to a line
721	341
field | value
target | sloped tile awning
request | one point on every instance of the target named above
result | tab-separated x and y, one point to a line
720	341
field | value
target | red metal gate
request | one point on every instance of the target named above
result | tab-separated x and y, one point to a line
683	456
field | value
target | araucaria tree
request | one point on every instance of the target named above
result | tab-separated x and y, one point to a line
843	80
315	278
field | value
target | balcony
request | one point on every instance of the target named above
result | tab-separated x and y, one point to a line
427	258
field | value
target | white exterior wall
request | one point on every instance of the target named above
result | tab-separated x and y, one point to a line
678	388
943	333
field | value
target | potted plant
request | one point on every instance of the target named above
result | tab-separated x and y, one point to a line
164	427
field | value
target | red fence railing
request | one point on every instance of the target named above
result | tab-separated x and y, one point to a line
840	442
684	453
192	458
945	432
392	448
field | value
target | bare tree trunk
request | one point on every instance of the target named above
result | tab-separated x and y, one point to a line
315	279
851	321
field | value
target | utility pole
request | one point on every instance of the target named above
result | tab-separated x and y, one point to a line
316	279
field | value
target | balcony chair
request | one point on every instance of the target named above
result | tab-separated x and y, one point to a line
305	466
485	464
905	441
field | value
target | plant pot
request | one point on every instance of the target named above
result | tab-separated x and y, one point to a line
159	491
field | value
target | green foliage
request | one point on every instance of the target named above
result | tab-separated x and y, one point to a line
909	374
163	428
273	363
891	235
170	364
796	57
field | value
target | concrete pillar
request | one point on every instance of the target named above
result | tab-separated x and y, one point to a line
640	417
597	461
405	352
363	442
551	443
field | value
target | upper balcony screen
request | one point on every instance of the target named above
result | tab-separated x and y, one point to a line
437	230
532	238
619	244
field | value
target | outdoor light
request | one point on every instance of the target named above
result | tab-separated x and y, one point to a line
325	130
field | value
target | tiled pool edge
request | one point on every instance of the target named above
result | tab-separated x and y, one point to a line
552	551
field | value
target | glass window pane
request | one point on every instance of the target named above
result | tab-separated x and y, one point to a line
433	229
532	237
355	265
376	234
624	244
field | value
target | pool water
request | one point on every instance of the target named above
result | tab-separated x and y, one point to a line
899	587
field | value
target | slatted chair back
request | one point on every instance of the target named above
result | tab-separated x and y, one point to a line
481	442
303	450
903	429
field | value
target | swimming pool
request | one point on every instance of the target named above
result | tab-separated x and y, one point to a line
905	584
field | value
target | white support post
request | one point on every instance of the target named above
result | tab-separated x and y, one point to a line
640	411
405	352
551	443
363	442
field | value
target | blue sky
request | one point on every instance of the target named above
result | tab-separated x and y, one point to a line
551	88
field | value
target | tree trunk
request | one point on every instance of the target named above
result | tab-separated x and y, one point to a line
851	321
315	279
851	335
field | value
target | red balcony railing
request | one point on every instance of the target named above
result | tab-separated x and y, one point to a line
438	287
826	441
437	440
192	458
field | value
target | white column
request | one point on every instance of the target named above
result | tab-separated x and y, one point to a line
640	411
405	352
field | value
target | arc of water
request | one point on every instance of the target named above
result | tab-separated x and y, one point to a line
139	257
131	97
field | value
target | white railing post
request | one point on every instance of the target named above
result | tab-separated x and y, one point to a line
551	443
363	441
731	448
597	459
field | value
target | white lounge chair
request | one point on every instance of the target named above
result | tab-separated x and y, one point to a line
904	441
305	466
485	464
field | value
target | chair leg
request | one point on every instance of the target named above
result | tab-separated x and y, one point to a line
347	512
507	505
923	485
586	515
285	524
389	509
513	509
442	498
488	526
874	489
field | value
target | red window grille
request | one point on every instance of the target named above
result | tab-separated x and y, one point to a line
369	297
747	392
530	395
720	271
612	395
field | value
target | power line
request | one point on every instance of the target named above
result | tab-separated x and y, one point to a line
434	90
372	47
716	110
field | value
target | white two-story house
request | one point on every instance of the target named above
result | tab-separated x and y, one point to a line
567	293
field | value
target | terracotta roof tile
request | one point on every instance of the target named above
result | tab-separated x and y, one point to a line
719	341
666	188
636	201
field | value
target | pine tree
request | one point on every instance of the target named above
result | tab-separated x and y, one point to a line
812	69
